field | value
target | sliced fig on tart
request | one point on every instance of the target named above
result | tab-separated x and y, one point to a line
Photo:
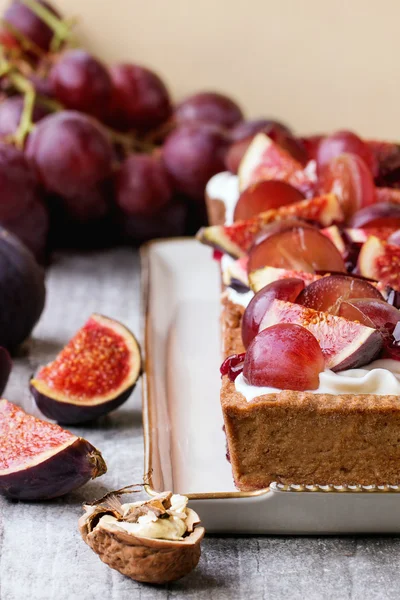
380	261
262	277
40	460
265	160
94	374
238	238
345	344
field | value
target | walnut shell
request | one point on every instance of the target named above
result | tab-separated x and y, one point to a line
144	559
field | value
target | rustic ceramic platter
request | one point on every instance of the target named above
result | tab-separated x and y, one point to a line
182	419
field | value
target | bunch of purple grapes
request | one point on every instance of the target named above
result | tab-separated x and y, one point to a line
108	158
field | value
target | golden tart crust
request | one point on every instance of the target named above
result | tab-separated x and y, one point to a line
305	438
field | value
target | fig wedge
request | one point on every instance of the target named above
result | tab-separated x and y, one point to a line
262	277
265	160
238	238
40	460
344	344
94	374
157	541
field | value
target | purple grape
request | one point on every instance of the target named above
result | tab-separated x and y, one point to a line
209	107
192	154
25	21
70	152
11	111
245	129
140	99
81	82
142	186
21	209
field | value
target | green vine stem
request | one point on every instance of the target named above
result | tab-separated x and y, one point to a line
19	81
26	44
25	124
61	28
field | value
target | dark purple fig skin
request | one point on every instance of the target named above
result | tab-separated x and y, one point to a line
365	354
5	368
23	291
69	413
60	474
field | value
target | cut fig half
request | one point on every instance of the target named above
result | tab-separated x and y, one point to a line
344	344
380	261
237	239
40	460
94	374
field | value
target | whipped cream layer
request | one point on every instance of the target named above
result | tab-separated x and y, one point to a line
239	298
381	377
225	187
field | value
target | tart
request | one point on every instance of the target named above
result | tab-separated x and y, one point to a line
310	388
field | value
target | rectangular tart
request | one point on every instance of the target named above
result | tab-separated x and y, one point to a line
305	438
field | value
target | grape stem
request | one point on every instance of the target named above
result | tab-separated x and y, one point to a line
60	27
20	82
25	125
127	141
26	44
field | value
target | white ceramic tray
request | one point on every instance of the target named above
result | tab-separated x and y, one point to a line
184	441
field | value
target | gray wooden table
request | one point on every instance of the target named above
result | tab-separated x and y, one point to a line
41	553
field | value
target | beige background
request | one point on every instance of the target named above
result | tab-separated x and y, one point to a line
318	65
